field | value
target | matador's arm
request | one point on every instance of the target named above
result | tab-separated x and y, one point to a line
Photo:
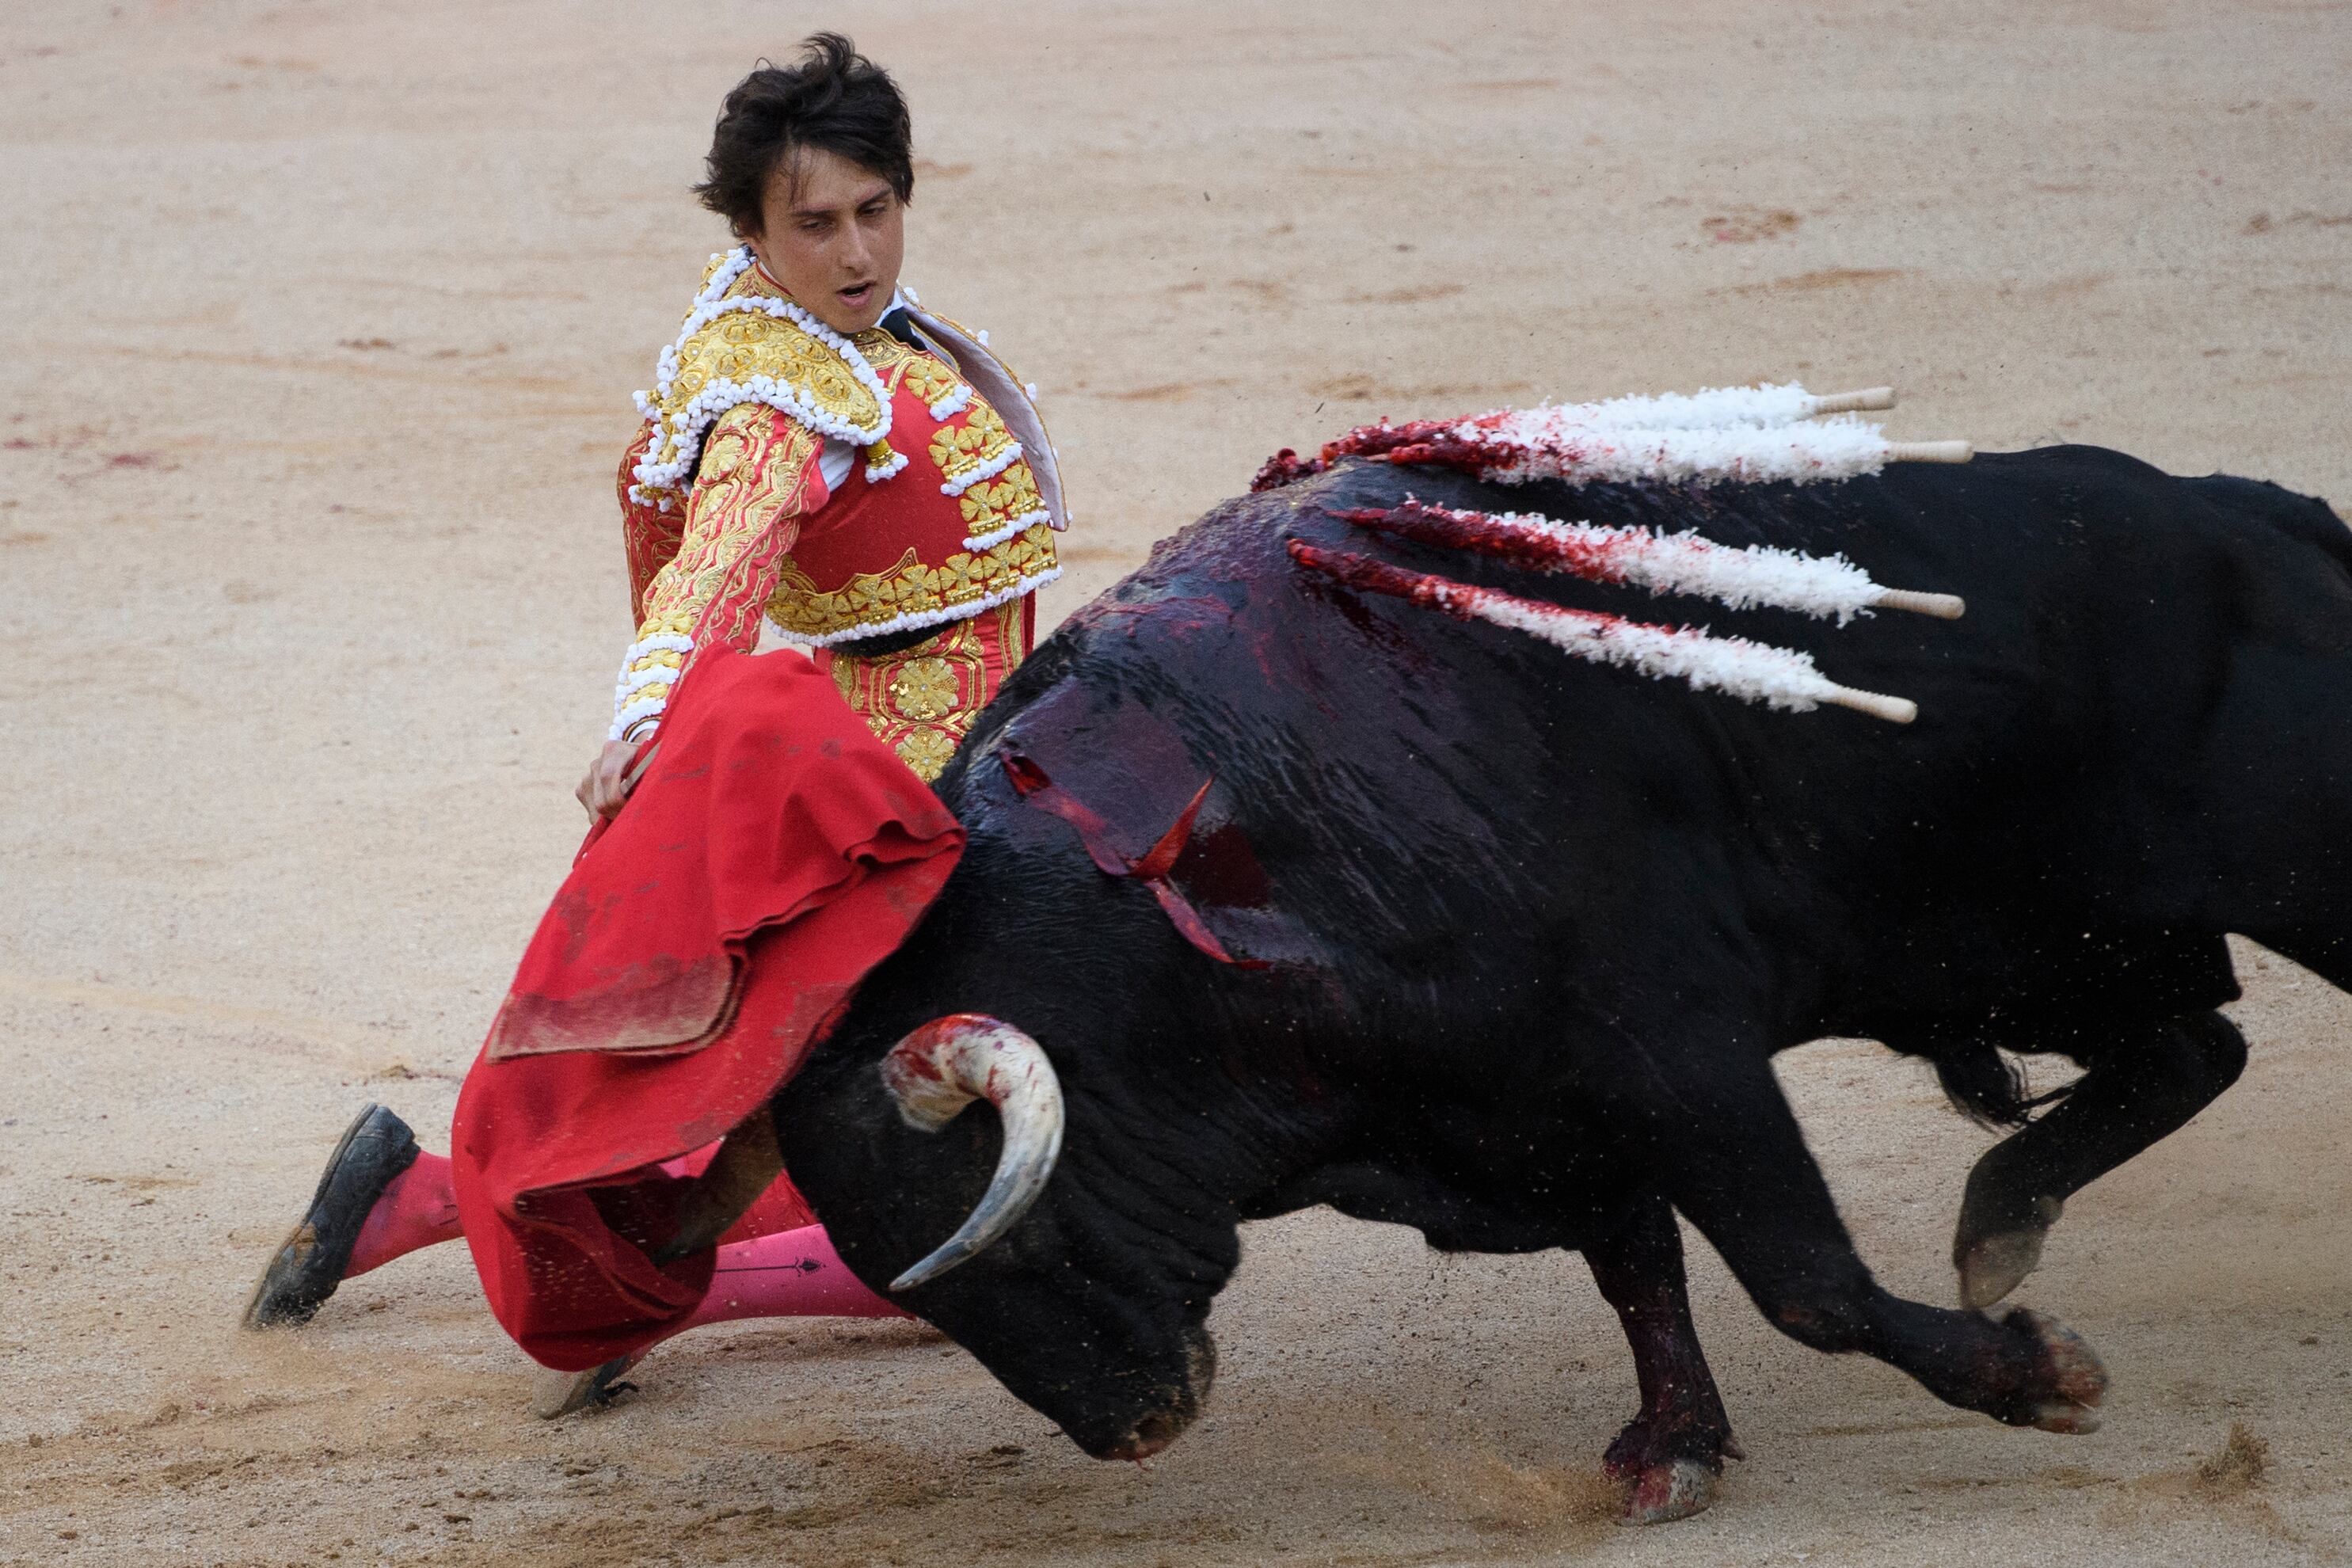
650	535
758	478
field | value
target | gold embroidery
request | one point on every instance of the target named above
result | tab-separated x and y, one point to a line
927	752
923	688
743	345
884	352
1012	376
730	443
909	590
929	379
962	447
759	462
743	515
1012	637
950	676
992	503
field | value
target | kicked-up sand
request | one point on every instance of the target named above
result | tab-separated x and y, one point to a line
317	324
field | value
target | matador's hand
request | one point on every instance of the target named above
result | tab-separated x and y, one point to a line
612	776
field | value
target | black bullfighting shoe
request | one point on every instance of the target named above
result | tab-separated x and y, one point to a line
377	1147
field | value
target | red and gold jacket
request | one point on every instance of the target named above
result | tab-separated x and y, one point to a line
827	490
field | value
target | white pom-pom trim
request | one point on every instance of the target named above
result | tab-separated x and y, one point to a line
660	642
953	403
659	674
644	708
629	703
994	537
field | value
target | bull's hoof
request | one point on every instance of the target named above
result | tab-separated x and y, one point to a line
1676	1489
1995	1264
561	1392
1994	1256
2068	1375
1670	1471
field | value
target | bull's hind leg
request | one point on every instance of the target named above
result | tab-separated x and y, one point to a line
1673	1450
1731	1156
2141	1086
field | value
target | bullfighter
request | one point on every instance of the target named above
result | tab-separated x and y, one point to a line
824	465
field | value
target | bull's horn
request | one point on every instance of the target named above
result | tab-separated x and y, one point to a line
946	1065
1869	398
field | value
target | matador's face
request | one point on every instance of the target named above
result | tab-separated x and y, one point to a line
833	233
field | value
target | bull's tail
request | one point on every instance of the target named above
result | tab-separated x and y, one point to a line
1983	1085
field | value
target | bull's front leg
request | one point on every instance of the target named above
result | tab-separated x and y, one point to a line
1671	1452
1731	1156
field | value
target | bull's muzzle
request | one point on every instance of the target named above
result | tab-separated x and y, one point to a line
946	1065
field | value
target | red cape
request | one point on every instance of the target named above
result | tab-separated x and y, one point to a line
772	854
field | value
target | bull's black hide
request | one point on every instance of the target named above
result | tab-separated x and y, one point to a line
1531	929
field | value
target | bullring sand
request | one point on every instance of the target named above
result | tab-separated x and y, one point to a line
318	324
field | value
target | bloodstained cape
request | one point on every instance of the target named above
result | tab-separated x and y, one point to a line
773	852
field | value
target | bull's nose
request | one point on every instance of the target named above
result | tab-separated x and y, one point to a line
1149	1435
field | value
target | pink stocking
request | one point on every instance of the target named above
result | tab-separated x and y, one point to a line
419	1208
789	1274
792	1274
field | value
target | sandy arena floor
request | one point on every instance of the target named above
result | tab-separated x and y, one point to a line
318	324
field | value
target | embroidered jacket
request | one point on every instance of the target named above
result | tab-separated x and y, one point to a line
741	500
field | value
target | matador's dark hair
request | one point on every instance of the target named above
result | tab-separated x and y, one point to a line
833	98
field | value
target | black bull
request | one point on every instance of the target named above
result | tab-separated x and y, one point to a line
1512	938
